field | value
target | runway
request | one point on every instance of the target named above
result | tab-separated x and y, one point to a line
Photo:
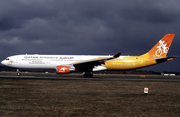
33	77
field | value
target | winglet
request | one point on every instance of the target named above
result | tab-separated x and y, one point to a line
117	55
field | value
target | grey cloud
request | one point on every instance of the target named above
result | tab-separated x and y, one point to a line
87	26
152	12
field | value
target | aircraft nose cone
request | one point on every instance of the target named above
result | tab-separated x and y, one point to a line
3	62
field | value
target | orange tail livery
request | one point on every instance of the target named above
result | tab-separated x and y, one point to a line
160	50
156	55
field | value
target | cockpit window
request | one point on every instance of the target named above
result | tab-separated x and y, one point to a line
7	58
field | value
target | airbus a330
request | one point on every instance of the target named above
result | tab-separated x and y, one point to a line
64	64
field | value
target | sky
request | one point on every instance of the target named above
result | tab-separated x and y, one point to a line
89	27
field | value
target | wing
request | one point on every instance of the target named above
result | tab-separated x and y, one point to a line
89	64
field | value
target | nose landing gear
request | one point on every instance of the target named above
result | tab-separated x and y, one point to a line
18	72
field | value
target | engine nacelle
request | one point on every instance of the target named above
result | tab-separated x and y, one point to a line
62	69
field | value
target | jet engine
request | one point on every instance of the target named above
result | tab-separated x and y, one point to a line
64	69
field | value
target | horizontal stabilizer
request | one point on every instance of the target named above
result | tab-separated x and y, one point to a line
160	60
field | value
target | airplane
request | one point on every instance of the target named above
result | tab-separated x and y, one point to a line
64	64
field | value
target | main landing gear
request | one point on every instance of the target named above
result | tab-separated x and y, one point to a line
88	74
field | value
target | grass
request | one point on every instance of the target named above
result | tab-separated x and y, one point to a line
102	98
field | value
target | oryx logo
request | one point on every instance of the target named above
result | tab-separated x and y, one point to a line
161	48
10	62
63	69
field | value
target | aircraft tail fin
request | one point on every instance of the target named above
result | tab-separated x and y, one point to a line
160	50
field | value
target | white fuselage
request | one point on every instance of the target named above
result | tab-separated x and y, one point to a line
47	61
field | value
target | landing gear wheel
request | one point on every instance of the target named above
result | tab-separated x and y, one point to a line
91	75
85	75
18	73
88	75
